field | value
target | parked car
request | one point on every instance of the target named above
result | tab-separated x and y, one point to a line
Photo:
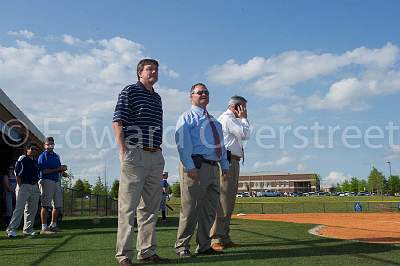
242	195
270	193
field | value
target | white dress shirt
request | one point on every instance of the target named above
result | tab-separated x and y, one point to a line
235	131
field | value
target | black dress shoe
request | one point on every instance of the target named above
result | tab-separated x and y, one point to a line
209	251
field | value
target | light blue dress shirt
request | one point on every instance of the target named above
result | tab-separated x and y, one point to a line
194	135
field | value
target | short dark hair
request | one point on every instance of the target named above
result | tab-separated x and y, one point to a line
197	84
30	145
49	139
144	62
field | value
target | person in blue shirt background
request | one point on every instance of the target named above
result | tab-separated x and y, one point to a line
27	192
50	186
200	144
164	197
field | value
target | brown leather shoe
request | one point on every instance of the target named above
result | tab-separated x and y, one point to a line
126	262
153	259
231	245
217	246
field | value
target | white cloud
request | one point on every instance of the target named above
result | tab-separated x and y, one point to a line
175	102
300	167
282	161
169	72
393	153
335	177
365	72
232	72
68	39
352	92
63	89
22	33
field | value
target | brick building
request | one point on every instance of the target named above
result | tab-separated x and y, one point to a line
283	182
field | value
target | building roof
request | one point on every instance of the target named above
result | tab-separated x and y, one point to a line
266	173
10	110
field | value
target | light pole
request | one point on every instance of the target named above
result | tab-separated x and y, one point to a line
390	168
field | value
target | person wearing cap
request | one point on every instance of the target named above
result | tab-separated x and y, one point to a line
164	197
236	129
138	128
200	144
27	192
51	170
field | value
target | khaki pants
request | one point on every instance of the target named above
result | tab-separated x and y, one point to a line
27	201
51	193
199	200
139	192
228	188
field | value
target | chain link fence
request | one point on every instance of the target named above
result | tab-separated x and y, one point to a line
305	207
76	203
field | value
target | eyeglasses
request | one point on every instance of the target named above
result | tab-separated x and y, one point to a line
206	92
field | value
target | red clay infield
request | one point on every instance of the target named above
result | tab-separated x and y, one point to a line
364	227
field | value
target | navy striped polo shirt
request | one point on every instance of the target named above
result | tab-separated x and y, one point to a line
140	112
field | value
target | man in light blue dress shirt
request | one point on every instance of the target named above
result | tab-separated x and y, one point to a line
200	143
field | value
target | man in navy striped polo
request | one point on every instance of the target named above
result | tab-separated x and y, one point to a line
137	125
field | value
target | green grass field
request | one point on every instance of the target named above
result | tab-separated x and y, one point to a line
89	241
319	204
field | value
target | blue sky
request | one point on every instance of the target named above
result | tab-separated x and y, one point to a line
297	62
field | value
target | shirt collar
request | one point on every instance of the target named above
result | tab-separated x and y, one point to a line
140	85
230	113
198	110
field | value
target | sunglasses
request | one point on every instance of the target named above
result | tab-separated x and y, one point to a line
206	92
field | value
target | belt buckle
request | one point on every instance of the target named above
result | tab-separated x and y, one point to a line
149	149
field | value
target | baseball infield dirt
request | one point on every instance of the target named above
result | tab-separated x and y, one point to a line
364	227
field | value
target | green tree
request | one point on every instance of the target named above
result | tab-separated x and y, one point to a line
346	185
393	184
338	188
78	186
87	187
376	181
316	181
354	184
176	190
362	185
114	189
99	188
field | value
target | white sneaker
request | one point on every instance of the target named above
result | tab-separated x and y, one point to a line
33	233
11	233
46	231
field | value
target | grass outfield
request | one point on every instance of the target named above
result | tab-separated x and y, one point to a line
88	241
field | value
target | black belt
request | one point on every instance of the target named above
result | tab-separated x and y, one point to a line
198	159
210	162
151	149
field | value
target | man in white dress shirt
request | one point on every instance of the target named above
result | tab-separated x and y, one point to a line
236	129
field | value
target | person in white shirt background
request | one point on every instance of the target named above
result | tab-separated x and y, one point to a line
236	129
